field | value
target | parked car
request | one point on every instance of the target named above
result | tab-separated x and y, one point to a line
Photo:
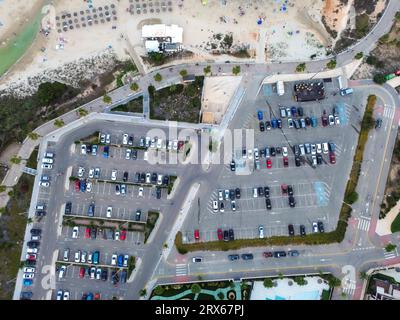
279	254
320	227
268	254
233	257
291	230
302	230
293	253
220	234
247	256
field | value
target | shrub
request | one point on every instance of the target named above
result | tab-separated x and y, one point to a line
390	247
158	77
268	283
207	70
183	72
50	92
331	64
301	67
107	99
134	86
362	24
359	55
159	290
379	78
236	70
59	123
195	288
351	198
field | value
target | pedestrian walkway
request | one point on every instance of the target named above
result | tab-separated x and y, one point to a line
181	269
364	223
390	255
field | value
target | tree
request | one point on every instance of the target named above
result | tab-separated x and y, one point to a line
33	135
363	275
134	86
333	281
143	292
351	198
183	72
15	159
3	188
151	90
390	247
331	64
236	70
107	99
82	112
268	283
300	281
59	123
379	78
50	92
280	275
195	288
158	77
172	88
159	290
301	67
359	55
207	70
397	16
384	38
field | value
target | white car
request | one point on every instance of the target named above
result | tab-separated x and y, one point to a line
28	276
83	256
102	138
256	155
126	258
75	232
261	232
83	149
314	161
159	143
109	212
92	272
215	205
62	272
47	166
114	175
141	192
331	120
337	120
313	149
145	156
66	295
153	143
325	147
123	189
233	205
315	227
319	148
147	142
78	256
108	138
114	260
81	172
89	187
116	235
226	192
32	250
159	179
44	184
220	195
284	151
128	154
290	122
175	145
29	270
59	295
148	176
170	145
250	154
91	173
125	138
255	193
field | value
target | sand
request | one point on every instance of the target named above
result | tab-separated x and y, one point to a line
286	35
383	225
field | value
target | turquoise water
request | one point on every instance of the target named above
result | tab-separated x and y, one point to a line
18	45
307	295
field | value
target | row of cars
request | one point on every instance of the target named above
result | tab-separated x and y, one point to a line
266	254
31	257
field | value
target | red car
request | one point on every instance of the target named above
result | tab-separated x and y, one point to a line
31	257
324	119
180	145
97	296
122	236
81	272
332	158
269	163
197	234
267	254
77	185
87	233
284	189
220	234
285	161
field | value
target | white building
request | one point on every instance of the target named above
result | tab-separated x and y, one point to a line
160	37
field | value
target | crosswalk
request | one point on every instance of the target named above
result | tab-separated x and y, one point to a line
391	254
181	269
349	287
389	112
364	223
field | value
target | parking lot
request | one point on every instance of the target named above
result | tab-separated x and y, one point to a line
318	177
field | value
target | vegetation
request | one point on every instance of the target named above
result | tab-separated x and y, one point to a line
15	159
2	188
158	77
301	281
331	64
32	161
395	227
332	280
152	217
325	294
82	112
195	288
301	67
363	275
143	292
384	38
51	92
362	25
156	58
236	70
125	67
390	247
159	290
171	183
59	123
134	86
213	146
131	265
359	55
374	61
33	136
351	198
207	70
221	295
135	105
183	72
107	99
268	283
379	78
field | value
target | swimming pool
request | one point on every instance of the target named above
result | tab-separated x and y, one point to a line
307	295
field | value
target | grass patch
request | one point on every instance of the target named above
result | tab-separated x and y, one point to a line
12	228
131	265
395	227
171	183
325	295
32	161
152	217
310	239
135	105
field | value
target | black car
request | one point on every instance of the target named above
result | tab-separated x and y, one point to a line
36	232
244	153
378	123
158	193
26	295
302	230
114	277
142	177
247	256
297	161
165	180
308	121
134	154
137	215
279	254
153	178
290	190
125	177
262	127
237	193
104	274
272	150
226	235
300	111
279	123
88	149
40	213
292	202
231	235
233	257
266	192
93	233
137	177
262	152
232	194
30	263
268	203
130	140
68	208
291	230
33	244
321	227
319	159
260	191
233	165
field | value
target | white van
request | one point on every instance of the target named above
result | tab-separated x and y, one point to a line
146	156
47	160
49	155
62	272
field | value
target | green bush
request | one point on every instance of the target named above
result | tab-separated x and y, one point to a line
351	198
390	247
268	283
195	288
359	55
362	24
331	64
50	92
301	67
158	77
379	78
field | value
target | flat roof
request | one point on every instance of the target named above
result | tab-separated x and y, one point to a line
163	31
309	91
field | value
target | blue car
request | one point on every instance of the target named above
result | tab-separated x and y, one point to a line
89	296
83	185
260	115
274	123
120	260
294	111
27	282
314	122
106	151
